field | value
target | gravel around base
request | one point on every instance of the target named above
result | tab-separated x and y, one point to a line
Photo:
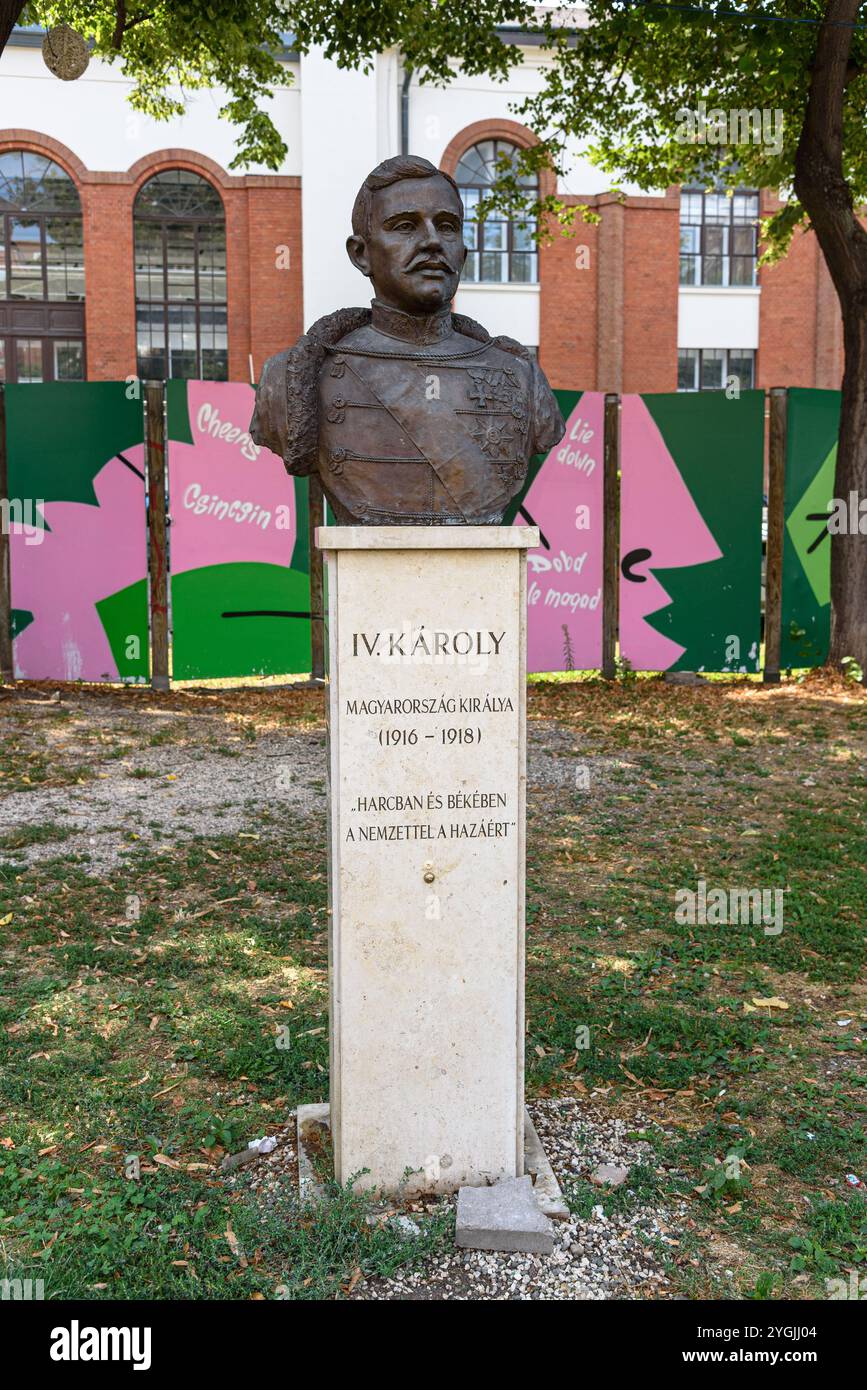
596	1257
620	1255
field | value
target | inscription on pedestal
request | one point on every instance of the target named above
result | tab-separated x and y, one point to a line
427	843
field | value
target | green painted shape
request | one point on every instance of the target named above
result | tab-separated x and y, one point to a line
124	615
207	646
177	412
804	533
21	618
813	422
567	401
60	434
301	553
718	446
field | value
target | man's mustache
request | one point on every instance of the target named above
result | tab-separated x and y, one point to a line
429	263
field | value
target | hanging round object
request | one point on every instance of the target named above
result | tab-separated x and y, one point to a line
65	52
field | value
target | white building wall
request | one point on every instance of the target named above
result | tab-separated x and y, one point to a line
509	309
340	144
92	117
718	318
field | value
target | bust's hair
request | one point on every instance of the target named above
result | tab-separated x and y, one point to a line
404	166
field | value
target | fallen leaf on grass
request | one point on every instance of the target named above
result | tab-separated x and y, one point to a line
235	1246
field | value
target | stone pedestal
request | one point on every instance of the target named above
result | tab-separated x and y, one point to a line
427	640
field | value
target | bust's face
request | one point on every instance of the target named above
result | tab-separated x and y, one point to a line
414	252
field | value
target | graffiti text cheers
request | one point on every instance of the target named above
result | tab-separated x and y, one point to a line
209	422
210	504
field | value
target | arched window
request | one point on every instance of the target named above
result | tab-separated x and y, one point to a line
41	271
501	249
180	278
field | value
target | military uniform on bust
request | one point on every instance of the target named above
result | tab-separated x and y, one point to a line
429	410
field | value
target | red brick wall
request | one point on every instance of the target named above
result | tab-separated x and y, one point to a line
568	309
109	287
787	317
651	259
613	327
829	330
616	329
263	212
275	291
800	329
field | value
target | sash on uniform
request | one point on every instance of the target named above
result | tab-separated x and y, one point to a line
437	432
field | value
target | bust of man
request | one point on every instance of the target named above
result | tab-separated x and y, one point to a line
410	414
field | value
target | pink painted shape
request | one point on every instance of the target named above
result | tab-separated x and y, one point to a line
657	513
90	553
558	489
219	468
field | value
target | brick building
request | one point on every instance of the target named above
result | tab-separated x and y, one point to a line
131	247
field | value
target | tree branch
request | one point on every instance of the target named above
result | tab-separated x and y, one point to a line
819	180
10	13
124	25
120	25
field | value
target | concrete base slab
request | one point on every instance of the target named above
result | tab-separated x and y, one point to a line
314	1130
504	1216
545	1185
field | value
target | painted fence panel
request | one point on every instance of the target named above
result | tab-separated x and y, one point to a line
563	497
239	549
691	470
690	536
813	418
78	548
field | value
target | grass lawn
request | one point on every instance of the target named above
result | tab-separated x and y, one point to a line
176	1006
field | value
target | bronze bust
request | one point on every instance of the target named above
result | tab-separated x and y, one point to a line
412	415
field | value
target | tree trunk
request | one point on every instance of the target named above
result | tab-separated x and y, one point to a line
849	551
10	11
821	186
